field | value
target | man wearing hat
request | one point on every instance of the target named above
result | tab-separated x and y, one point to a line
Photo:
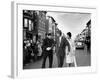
48	44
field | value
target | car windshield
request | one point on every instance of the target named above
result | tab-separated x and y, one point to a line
79	43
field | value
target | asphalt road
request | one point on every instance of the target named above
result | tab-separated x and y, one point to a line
83	58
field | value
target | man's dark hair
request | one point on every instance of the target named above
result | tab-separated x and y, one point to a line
49	34
69	34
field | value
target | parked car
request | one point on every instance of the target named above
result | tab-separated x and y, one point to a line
79	44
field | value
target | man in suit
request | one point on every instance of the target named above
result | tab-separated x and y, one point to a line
62	43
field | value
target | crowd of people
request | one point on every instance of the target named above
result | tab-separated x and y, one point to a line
32	50
64	48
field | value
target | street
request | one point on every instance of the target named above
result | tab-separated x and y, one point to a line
83	58
44	25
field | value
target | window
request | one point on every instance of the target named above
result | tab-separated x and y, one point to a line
24	34
30	25
25	22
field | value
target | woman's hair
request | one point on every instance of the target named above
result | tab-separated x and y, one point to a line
69	34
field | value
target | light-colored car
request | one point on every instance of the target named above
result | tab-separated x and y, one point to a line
79	44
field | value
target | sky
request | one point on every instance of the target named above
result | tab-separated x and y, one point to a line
70	22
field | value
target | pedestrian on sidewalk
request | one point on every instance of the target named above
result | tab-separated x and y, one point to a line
70	55
48	44
34	47
62	43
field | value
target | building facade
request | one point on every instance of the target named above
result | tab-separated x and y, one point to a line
41	23
51	26
34	24
29	24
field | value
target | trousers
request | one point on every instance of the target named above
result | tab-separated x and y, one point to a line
48	55
60	61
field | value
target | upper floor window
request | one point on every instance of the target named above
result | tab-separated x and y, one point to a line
25	22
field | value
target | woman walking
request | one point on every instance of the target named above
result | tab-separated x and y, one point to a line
70	55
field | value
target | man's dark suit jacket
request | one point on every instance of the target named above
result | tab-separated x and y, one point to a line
47	43
61	48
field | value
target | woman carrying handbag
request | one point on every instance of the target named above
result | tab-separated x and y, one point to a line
70	55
